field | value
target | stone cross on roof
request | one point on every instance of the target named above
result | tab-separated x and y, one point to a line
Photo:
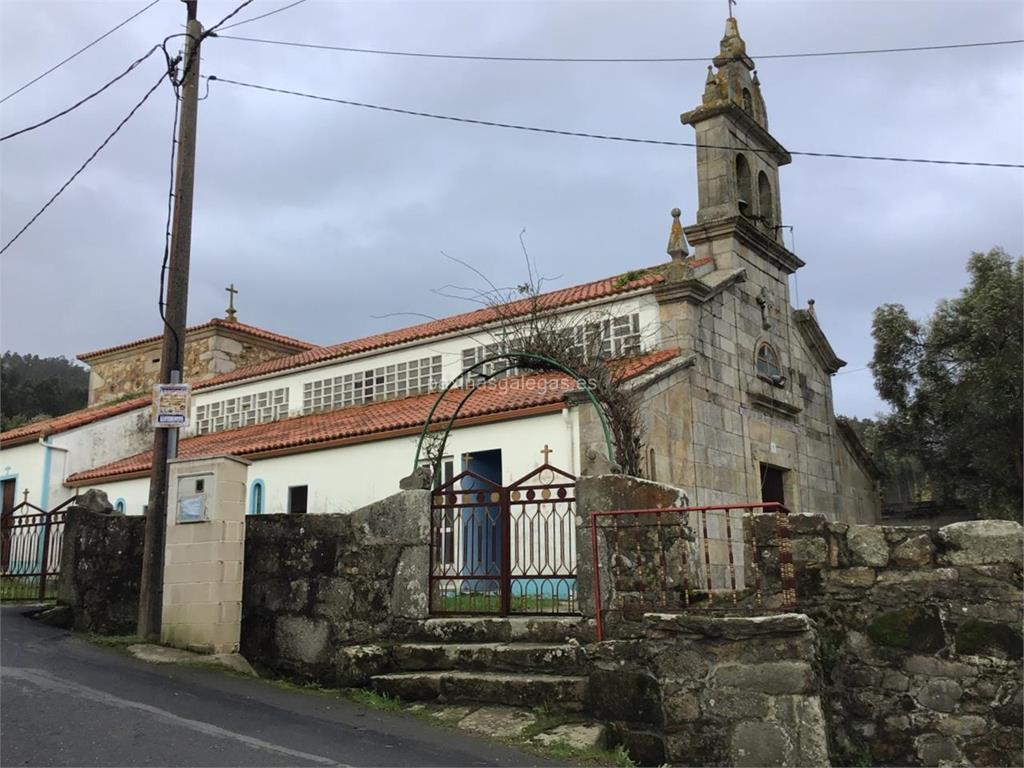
230	317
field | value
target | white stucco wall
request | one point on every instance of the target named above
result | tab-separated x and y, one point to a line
347	478
449	349
25	464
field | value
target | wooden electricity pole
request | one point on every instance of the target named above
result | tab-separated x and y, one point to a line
165	442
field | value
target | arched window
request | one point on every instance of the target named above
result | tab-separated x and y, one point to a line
256	496
743	184
120	506
765	205
768	363
748	102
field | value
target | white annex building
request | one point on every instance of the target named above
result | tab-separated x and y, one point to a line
735	382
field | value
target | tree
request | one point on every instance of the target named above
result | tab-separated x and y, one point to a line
954	382
38	387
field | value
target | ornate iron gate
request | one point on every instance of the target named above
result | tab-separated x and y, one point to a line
30	544
504	550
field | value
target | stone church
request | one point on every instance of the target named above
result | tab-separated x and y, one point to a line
735	382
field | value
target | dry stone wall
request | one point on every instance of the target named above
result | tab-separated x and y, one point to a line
697	690
921	638
314	584
101	571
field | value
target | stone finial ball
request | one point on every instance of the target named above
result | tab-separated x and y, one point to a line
676	213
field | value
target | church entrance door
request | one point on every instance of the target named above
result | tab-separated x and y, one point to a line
503	550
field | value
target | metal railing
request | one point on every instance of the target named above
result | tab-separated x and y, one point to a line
30	549
683	559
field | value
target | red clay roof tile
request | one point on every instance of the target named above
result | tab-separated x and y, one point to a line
504	396
248	330
565	297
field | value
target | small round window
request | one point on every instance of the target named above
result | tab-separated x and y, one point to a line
768	363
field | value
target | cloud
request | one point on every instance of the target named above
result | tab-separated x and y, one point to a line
326	216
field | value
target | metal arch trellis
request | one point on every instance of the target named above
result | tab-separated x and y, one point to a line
550	363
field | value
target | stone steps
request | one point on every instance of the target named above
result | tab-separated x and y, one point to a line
566	693
485	629
546	658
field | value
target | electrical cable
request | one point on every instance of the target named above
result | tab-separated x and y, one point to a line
599	60
171	195
91	157
60	64
79	103
598	136
263	16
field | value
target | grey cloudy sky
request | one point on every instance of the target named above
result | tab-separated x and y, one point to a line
325	216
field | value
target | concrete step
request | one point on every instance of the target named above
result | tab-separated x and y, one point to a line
552	658
486	629
566	693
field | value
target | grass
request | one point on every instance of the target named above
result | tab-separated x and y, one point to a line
591	755
114	641
491	603
23	588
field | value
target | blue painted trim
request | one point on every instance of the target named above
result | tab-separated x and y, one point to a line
258	482
124	505
44	496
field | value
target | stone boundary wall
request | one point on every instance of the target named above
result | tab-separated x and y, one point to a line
314	584
920	632
101	571
697	690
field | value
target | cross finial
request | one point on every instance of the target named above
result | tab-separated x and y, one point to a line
25	494
731	4
231	304
547	452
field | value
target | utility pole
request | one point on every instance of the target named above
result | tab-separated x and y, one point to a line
165	442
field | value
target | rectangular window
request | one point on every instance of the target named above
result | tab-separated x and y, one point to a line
297	497
615	337
772	484
389	381
242	411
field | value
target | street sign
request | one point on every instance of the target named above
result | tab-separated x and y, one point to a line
171	405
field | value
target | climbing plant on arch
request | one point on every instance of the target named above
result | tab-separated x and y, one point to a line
540	362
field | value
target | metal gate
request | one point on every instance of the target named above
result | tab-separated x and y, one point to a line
504	550
30	544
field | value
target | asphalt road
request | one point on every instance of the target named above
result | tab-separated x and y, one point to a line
64	702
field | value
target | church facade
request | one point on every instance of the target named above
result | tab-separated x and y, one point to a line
735	382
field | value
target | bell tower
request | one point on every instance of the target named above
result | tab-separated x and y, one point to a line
737	158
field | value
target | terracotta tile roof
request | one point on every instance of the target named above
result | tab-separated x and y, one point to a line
30	432
387	418
247	330
566	297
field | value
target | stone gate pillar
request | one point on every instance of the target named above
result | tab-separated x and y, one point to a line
204	546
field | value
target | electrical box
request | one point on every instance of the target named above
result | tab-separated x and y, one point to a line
195	498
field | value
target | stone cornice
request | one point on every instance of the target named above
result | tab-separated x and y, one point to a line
768	142
815	338
748	233
696	290
770	403
849	436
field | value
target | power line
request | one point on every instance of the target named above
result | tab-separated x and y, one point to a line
86	163
598	60
264	15
79	103
602	137
60	64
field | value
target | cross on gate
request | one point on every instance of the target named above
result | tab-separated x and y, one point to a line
25	493
547	452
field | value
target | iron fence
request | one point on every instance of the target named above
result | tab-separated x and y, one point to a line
504	550
30	548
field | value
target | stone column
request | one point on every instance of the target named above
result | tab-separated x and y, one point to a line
202	596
